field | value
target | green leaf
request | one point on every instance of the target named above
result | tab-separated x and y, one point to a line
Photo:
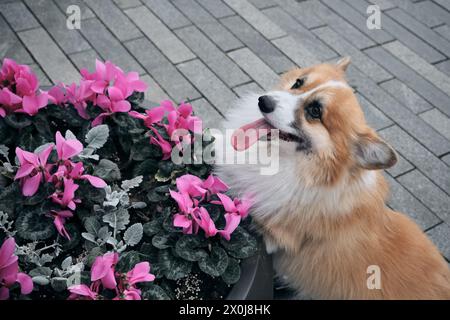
92	225
146	167
97	137
107	170
216	263
133	234
34	225
232	273
8	198
130	184
75	237
174	268
151	228
41	195
18	121
4	151
59	284
117	218
40	280
164	240
188	248
242	244
128	260
154	292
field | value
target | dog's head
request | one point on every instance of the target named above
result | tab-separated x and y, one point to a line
317	112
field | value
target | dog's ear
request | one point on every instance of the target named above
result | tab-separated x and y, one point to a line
372	153
343	63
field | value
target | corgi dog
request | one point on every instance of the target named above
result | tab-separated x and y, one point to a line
323	214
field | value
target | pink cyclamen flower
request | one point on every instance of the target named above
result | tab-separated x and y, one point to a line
77	173
9	271
67	149
153	115
131	294
79	95
204	221
8	101
114	102
57	95
32	169
82	291
165	146
190	184
31	104
140	273
103	270
214	185
66	198
59	221
237	206
232	222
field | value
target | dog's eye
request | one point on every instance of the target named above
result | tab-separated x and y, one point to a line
314	110
298	83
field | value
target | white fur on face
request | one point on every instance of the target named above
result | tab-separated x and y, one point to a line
287	103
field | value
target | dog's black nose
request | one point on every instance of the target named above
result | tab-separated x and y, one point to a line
266	104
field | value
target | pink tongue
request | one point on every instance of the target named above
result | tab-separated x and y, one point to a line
241	140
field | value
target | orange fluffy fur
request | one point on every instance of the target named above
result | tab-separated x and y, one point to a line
326	254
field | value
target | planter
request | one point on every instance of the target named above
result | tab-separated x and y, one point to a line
256	282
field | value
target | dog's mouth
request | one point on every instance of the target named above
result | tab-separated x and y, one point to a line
247	135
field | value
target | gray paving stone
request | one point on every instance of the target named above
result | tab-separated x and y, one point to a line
108	46
160	35
223	38
427	34
86	12
160	68
403	201
125	4
272	56
10	46
297	31
359	59
401	167
425	161
255	67
216	60
402	34
18	16
154	91
217	8
208	84
406	96
296	51
421	66
261	4
245	89
303	12
341	26
85	59
114	19
49	56
358	20
437	120
256	18
443	3
426	12
427	192
440	235
398	113
435	96
167	12
446	159
444	66
374	117
54	21
210	116
444	31
383	4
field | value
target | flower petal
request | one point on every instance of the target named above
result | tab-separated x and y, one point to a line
31	185
26	284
